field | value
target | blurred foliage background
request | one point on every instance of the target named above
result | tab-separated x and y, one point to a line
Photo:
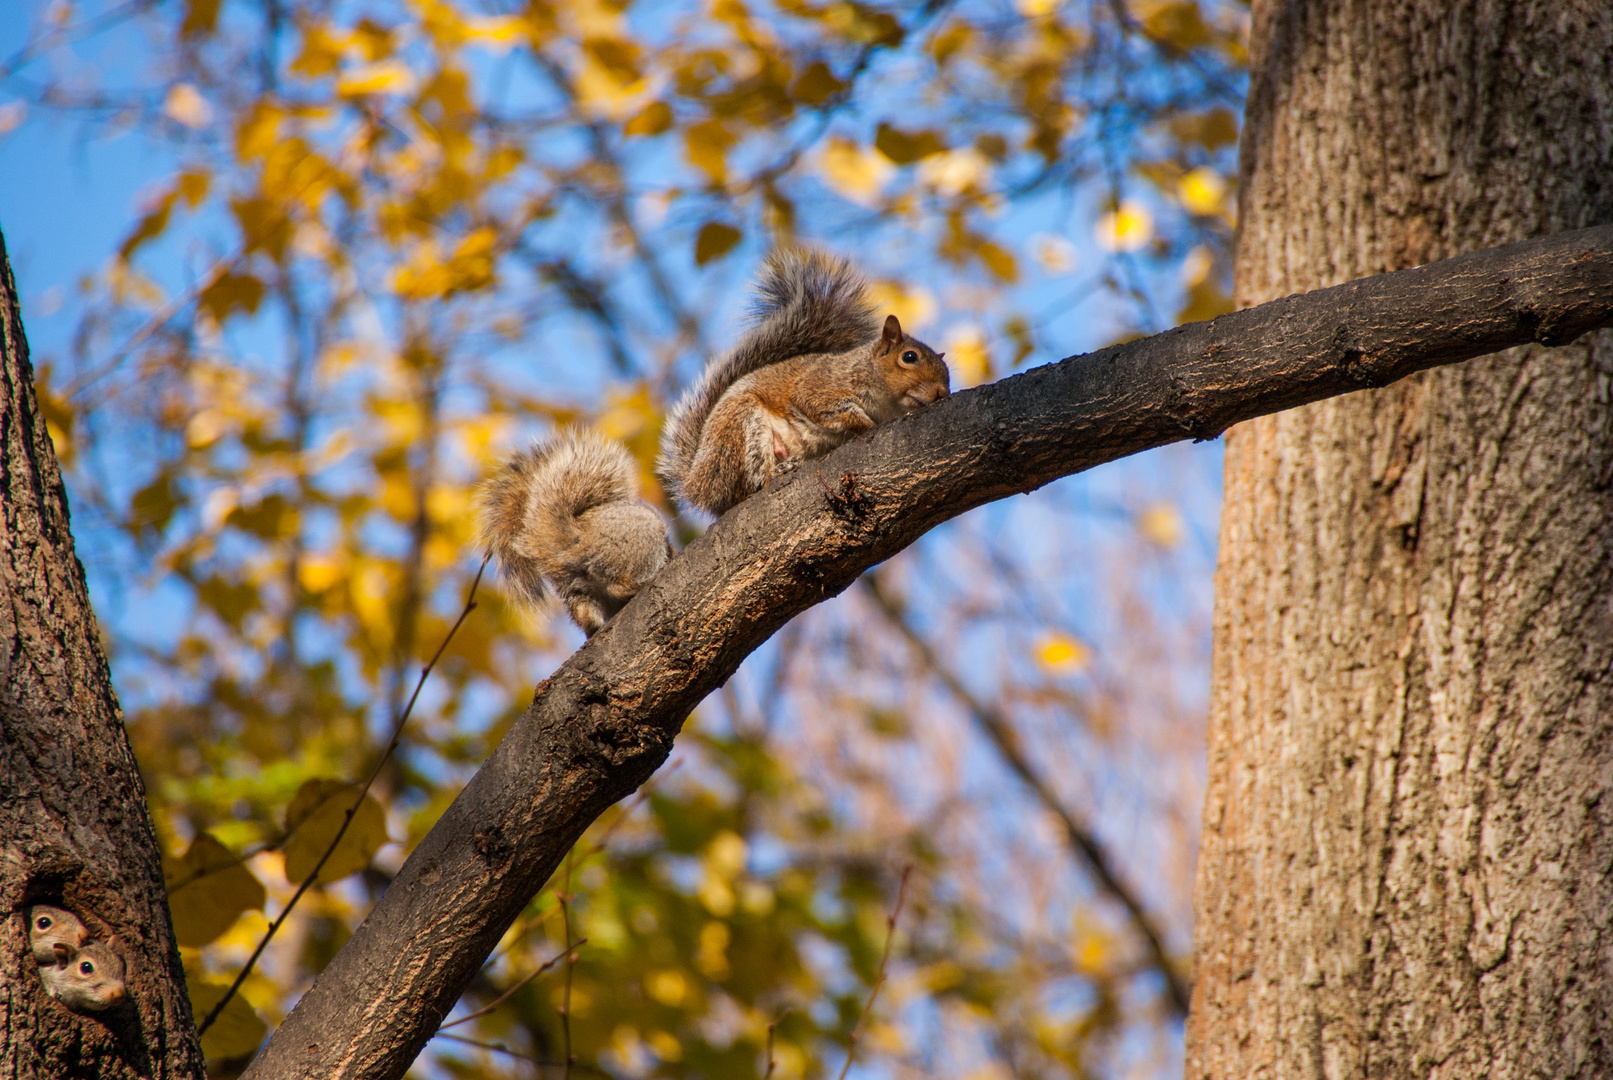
380	244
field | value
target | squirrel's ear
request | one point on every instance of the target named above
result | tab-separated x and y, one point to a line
893	331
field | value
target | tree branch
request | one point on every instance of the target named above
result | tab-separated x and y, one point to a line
606	719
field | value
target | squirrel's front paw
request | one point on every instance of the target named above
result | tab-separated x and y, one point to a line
787	466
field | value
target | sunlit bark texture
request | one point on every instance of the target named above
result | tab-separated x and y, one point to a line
73	824
1408	831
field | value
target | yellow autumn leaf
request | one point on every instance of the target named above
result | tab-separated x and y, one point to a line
371	590
316	573
209	888
1126	228
315	815
205	428
184	104
627	415
1060	654
941	976
667	986
231	293
712	955
727	853
714	241
903	147
706	145
716	894
238	1030
1201	191
1211	130
855	172
665	1045
817	84
1055	254
382	77
321	52
1175	23
914	307
956	171
1197	265
967	356
655	118
495	33
1161	523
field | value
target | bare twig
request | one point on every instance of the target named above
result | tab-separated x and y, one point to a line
1003	736
500	1048
564	896
386	755
879	980
771	1029
502	998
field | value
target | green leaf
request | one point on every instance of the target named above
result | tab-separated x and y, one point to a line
209	888
313	818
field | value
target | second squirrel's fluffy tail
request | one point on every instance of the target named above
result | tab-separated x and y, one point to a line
806	302
567	513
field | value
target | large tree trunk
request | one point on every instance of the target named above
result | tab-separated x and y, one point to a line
1408	834
74	831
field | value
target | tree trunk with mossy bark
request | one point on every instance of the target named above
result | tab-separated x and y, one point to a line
1408	829
74	831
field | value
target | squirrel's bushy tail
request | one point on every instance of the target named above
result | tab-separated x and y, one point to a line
529	510
806	302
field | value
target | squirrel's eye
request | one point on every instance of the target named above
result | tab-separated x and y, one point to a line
44	922
86	968
910	357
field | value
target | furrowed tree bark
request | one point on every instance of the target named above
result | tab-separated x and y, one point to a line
74	832
606	719
1407	843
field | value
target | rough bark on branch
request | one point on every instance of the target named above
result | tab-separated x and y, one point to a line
606	719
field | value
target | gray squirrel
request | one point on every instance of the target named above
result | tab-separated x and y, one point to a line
84	975
814	368
567	512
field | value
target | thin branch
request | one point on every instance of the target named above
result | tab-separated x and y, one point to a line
564	896
772	1027
1000	731
502	998
391	746
879	980
500	1048
63	35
